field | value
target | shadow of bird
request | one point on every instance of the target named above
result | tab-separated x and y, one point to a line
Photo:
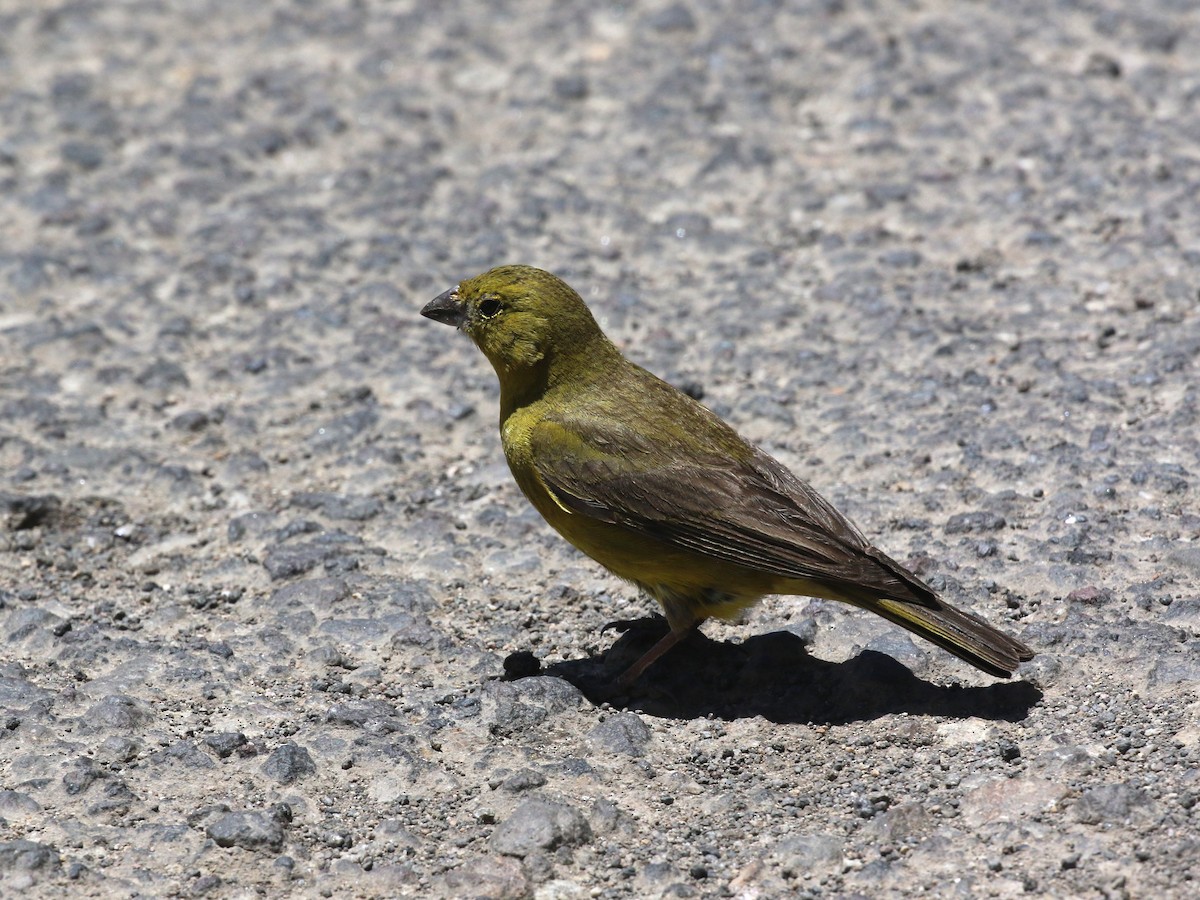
774	676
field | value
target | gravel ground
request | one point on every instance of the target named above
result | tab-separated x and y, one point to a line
262	562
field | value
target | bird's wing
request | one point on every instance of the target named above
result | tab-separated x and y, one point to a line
751	512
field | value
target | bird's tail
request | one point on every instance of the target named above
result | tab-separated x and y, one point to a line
965	635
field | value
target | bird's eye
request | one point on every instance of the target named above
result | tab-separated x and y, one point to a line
490	307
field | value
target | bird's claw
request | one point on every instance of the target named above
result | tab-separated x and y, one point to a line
620	626
623	625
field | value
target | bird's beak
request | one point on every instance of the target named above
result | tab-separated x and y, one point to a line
446	308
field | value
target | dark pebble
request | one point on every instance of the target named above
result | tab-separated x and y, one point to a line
193	420
225	743
571	87
82	775
974	521
289	763
523	780
290	560
358	713
675	17
250	830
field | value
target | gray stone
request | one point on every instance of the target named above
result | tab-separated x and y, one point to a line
523	780
517	706
163	375
82	775
14	802
225	743
359	712
118	711
185	753
963	523
900	647
16	691
810	853
903	822
339	506
487	878
541	825
290	560
1184	613
624	733
1180	668
289	763
30	622
250	830
571	87
26	855
1186	557
675	17
319	593
1109	804
412	630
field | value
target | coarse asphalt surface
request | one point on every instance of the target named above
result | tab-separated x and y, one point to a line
262	563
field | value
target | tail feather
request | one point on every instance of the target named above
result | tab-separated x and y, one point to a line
965	635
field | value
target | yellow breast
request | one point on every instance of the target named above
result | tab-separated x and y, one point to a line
718	588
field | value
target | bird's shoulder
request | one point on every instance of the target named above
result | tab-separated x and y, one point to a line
634	416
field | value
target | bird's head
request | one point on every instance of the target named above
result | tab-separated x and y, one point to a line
522	318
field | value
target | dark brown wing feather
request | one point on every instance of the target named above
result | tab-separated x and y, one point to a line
742	507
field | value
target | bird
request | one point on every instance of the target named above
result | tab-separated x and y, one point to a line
662	492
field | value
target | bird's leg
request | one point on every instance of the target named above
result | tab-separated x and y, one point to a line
669	640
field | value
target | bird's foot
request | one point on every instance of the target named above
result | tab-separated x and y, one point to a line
620	626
